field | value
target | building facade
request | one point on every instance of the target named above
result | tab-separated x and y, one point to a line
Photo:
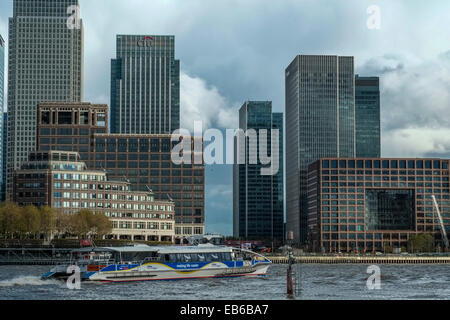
320	122
145	85
143	160
45	64
368	204
2	120
368	117
258	200
60	180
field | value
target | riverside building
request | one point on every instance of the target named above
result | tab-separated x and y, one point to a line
59	179
368	117
145	85
368	204
320	122
141	159
258	200
45	64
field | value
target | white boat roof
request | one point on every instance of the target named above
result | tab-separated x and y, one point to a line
207	248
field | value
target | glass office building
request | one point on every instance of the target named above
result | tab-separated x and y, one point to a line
258	200
363	204
145	85
368	122
320	122
45	64
2	120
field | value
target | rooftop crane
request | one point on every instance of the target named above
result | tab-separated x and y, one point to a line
443	232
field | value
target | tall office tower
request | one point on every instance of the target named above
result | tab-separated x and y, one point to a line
4	143
2	122
320	122
258	200
145	85
368	117
45	64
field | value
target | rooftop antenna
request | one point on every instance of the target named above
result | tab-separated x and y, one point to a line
170	198
126	179
148	188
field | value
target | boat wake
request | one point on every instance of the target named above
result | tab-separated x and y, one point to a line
27	281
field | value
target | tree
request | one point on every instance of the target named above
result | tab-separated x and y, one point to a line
421	243
82	223
31	220
48	221
10	220
102	225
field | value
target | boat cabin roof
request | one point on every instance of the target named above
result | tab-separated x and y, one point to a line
161	250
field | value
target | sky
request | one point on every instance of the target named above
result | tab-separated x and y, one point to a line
237	50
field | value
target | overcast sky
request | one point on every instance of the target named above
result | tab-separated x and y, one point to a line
232	51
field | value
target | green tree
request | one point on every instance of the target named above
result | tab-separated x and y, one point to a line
101	225
10	220
47	221
31	220
421	243
82	223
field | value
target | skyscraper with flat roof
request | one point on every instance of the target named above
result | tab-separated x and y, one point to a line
2	122
45	64
145	85
258	200
368	118
320	122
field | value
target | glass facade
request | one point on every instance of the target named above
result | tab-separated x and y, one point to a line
320	122
45	64
390	209
368	123
258	199
2	120
145	85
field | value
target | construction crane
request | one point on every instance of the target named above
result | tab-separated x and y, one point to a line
443	232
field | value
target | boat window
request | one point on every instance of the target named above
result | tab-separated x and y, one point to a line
201	257
214	257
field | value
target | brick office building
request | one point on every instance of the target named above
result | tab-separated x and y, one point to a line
143	160
368	204
60	180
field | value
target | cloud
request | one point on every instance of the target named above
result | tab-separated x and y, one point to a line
415	102
202	102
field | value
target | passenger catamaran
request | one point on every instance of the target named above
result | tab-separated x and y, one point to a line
145	263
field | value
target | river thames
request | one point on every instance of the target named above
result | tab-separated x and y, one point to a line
316	282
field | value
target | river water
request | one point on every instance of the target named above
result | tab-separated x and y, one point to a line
316	282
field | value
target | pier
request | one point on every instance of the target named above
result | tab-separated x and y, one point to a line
362	260
34	256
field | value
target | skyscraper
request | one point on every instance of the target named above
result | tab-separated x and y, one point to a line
368	125
45	64
320	122
145	85
258	200
2	122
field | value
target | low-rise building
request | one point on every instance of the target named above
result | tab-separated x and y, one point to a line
59	179
369	204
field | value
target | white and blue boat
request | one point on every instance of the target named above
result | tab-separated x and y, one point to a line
146	263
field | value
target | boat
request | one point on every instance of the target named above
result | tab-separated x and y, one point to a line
139	262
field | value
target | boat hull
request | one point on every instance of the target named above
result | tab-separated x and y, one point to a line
155	272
